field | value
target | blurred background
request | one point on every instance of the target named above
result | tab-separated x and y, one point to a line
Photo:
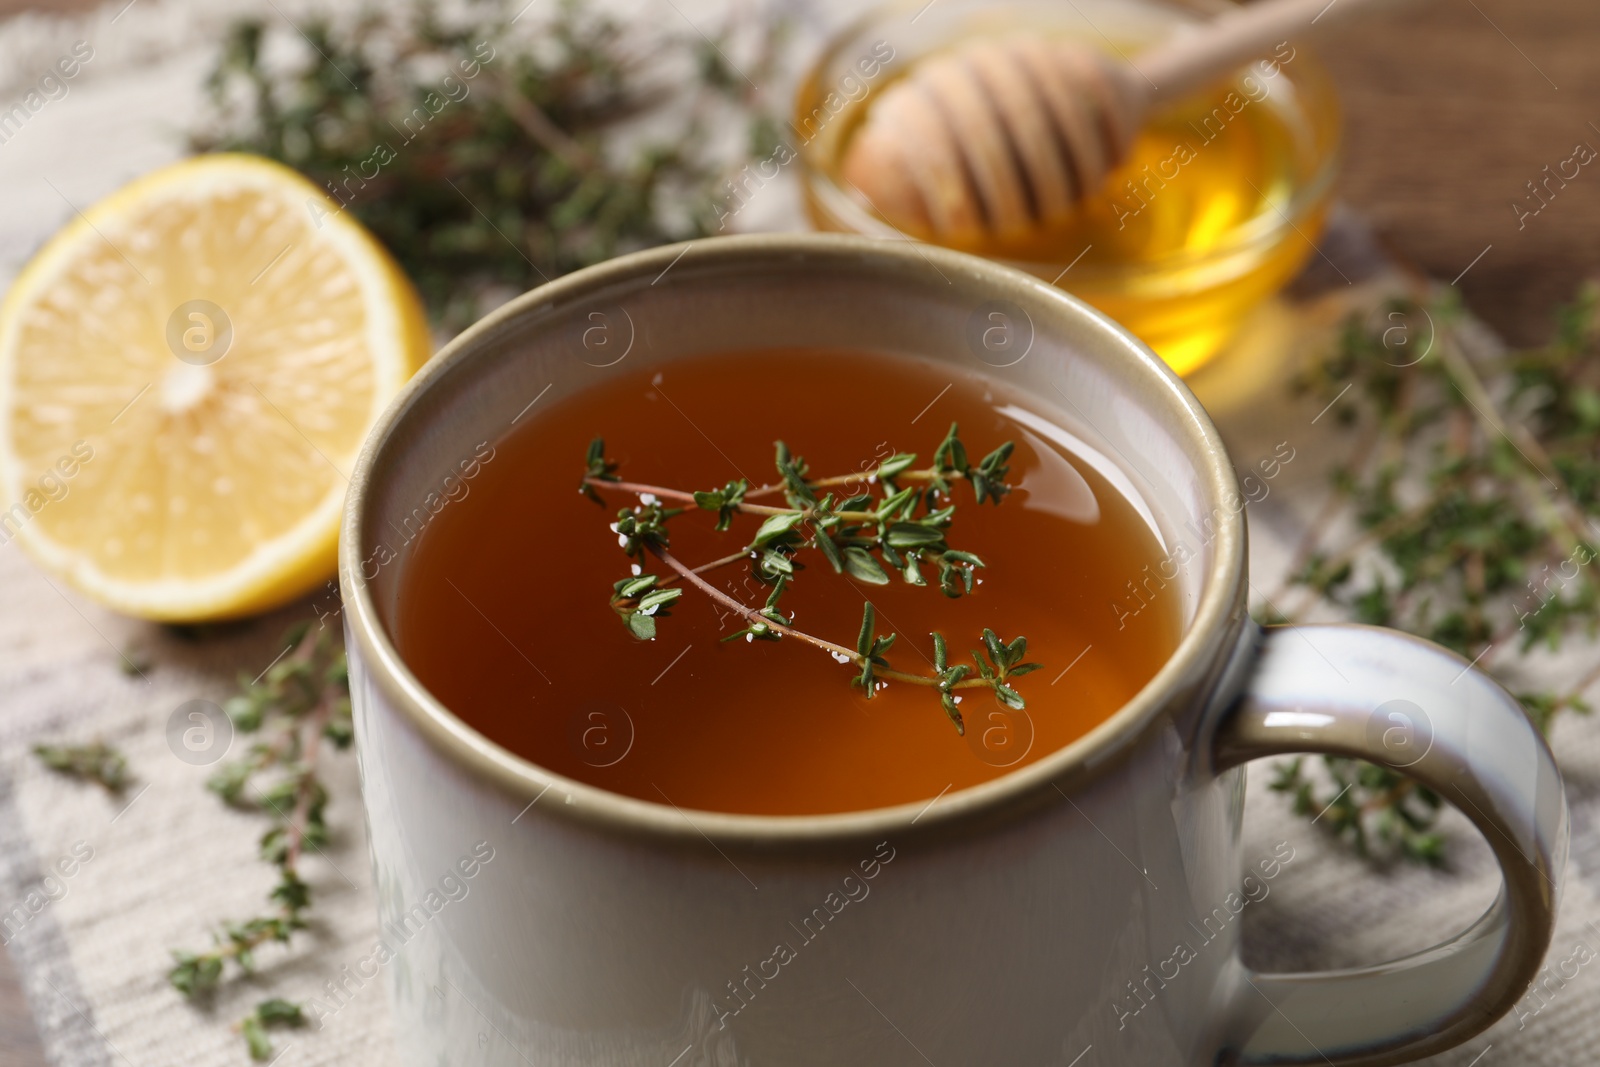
1450	109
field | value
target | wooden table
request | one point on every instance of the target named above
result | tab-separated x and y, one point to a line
1452	107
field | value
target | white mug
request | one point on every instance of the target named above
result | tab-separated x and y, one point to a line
1077	910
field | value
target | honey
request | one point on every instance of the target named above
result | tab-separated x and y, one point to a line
505	615
1215	208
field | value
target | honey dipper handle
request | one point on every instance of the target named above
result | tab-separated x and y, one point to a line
1189	61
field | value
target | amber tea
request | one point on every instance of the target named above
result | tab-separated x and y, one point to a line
524	613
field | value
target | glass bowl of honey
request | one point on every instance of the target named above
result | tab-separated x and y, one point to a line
1217	205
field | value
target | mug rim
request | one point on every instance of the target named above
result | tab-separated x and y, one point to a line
1202	646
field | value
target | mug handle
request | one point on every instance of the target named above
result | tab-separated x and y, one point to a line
1405	703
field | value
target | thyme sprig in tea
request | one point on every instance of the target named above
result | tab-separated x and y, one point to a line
1473	483
899	525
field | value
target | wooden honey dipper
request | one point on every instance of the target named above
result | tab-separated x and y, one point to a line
996	138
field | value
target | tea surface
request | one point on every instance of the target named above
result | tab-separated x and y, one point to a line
505	612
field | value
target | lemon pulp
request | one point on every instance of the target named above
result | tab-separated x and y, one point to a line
186	373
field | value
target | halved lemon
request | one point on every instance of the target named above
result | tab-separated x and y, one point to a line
187	371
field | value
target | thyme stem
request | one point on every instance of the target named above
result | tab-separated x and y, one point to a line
716	564
678	495
744	611
1572	696
1338	497
1558	506
926	474
538	125
1351	552
753	615
307	788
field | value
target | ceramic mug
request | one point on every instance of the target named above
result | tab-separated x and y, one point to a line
1070	912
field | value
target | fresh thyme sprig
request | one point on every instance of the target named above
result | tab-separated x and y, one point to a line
301	702
864	535
272	1012
1374	809
1473	484
94	761
490	151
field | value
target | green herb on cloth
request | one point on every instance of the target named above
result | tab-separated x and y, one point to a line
496	152
95	761
300	704
1472	488
269	1013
